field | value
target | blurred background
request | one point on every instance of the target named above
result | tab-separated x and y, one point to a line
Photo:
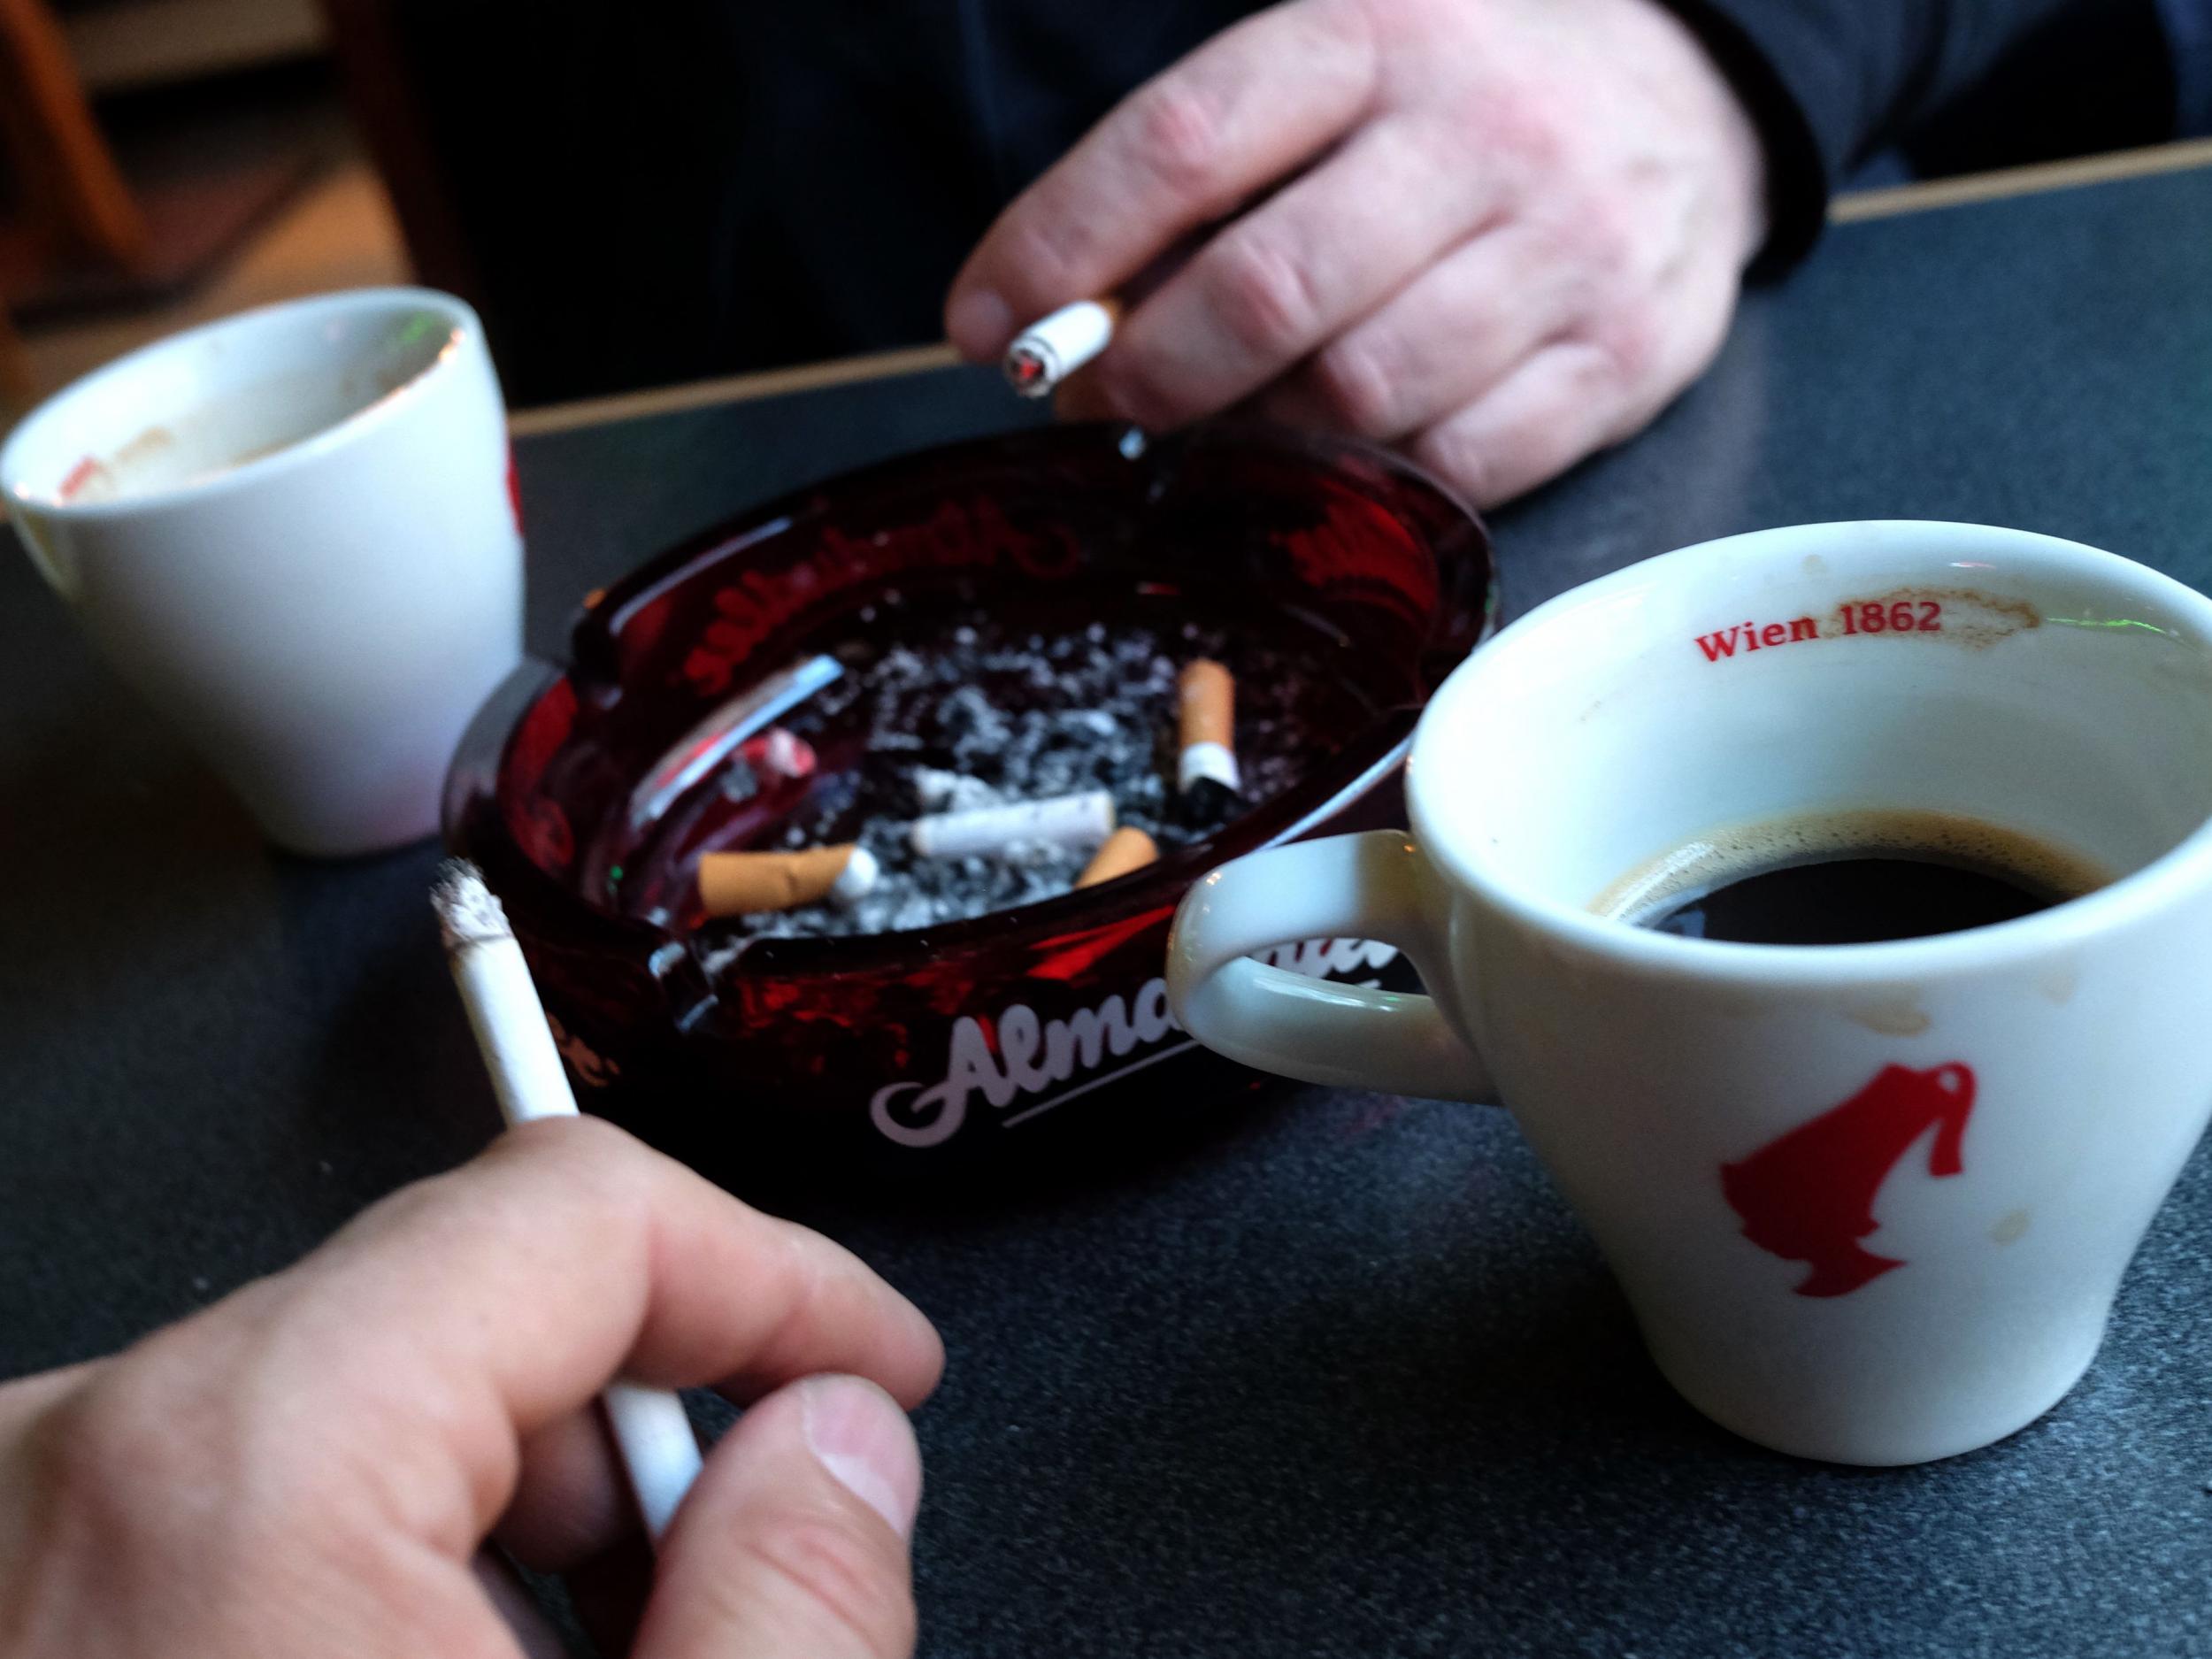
601	181
166	161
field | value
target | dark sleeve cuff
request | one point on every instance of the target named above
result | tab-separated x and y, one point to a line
1806	138
2188	28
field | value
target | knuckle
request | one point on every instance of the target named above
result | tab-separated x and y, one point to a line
1128	389
592	1164
1176	137
588	1141
1464	461
1353	33
1632	344
99	1452
1524	131
1356	387
158	1444
827	1560
1604	242
1048	251
1262	297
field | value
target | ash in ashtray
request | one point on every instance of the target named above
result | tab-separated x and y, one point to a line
976	713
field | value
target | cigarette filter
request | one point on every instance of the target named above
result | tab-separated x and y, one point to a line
1068	820
1207	726
738	884
1047	352
1127	848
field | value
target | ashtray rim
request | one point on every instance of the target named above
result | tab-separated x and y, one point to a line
475	826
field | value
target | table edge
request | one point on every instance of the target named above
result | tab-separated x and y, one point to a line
1855	207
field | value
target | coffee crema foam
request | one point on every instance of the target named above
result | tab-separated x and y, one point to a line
1734	852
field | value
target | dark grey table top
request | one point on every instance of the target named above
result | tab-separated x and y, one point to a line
1342	1377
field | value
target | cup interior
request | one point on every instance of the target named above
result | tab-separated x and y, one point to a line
204	403
2045	688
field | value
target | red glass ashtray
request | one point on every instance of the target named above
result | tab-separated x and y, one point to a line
776	1061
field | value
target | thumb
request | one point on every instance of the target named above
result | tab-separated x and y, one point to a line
793	1543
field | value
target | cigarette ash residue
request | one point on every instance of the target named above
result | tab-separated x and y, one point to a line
973	713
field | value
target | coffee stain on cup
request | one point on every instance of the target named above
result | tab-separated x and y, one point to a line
1891	1010
2009	1226
1963	616
2056	985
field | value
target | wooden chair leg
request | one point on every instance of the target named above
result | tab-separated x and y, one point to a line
15	366
67	165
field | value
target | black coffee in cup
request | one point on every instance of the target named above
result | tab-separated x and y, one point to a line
1849	879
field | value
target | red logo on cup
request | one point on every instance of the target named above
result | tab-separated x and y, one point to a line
1809	1195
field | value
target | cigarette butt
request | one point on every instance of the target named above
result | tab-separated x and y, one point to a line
738	884
1068	820
778	753
1127	848
1206	726
1053	347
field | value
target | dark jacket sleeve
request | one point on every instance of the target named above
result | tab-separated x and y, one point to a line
1828	81
2188	24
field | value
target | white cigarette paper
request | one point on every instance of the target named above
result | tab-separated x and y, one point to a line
745	883
1068	820
650	1428
1202	761
858	878
1047	351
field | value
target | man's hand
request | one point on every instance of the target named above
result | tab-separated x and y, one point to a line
1501	233
309	1467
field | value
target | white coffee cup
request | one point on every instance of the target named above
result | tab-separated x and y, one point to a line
295	532
1870	1202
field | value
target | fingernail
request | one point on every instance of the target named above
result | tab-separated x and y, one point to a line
980	323
860	1435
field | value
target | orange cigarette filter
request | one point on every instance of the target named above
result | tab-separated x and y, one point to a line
1127	848
1209	704
1207	726
740	884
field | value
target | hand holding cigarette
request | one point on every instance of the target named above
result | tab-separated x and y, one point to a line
311	1464
1499	236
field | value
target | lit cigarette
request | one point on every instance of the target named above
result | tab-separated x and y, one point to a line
1127	848
740	884
1068	820
1207	726
1047	352
658	1449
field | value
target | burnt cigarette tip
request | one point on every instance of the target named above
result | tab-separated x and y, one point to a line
467	912
1051	348
1026	371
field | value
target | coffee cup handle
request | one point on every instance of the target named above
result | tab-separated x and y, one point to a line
1344	886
